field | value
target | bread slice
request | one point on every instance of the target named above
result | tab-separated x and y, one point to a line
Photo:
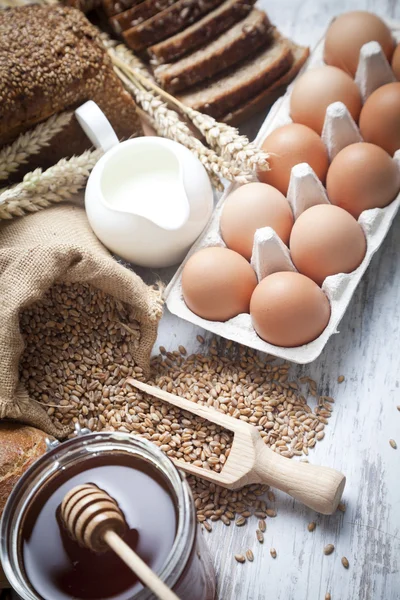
219	96
201	32
234	45
268	96
137	14
164	24
114	7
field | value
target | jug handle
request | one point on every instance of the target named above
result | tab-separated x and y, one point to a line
96	126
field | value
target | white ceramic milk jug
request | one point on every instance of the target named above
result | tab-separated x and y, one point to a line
148	198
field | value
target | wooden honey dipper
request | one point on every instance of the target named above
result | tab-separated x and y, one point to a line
250	461
94	520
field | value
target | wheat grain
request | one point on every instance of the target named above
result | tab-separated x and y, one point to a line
260	536
260	514
345	562
240	558
231	379
249	555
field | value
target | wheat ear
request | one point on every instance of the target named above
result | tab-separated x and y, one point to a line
39	189
30	143
228	141
168	124
221	137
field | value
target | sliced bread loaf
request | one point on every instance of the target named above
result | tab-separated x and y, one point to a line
236	44
168	22
201	32
113	7
219	96
268	96
137	14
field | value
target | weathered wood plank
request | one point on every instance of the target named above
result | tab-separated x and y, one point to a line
367	352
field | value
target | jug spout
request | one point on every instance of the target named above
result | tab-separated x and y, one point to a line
176	211
144	178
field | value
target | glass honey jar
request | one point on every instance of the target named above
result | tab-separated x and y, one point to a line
42	562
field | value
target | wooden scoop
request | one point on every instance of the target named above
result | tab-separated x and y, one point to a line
94	520
250	461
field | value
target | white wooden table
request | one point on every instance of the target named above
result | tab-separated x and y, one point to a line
365	417
367	353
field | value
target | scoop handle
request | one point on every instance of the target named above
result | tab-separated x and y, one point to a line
319	488
138	566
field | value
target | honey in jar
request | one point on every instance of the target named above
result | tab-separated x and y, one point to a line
43	563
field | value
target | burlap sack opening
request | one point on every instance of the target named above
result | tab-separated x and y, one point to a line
57	246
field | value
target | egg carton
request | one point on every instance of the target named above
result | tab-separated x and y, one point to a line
270	254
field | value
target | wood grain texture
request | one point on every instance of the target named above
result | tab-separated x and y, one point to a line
367	353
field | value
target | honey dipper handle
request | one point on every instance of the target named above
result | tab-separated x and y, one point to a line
320	488
138	566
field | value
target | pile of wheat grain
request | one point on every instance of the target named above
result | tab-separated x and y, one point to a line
77	359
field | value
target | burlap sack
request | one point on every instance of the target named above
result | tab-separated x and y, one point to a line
36	251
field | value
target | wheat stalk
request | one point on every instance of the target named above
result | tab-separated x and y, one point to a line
30	143
168	124
120	51
221	137
40	189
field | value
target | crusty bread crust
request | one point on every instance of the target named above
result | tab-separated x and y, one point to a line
268	96
201	32
137	14
114	7
236	44
53	60
20	446
168	22
219	96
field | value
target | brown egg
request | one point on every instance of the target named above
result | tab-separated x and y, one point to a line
362	176
217	284
252	207
288	309
288	146
380	118
326	240
316	90
347	35
396	62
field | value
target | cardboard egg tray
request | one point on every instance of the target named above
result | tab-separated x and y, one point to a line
269	253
